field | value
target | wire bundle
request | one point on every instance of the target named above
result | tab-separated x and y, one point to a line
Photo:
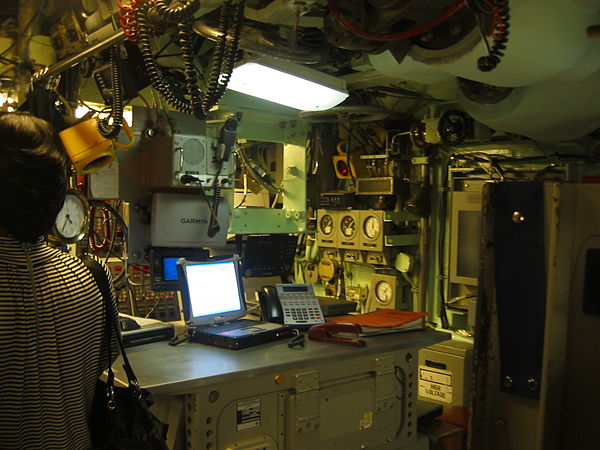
221	64
107	129
128	18
499	33
365	34
225	54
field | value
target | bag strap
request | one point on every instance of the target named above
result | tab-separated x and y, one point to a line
110	325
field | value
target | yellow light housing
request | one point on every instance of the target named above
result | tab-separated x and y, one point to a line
86	147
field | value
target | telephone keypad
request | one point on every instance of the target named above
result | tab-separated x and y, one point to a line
301	308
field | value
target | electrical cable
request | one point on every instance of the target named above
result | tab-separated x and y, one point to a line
128	19
186	42
245	192
297	340
213	224
112	238
396	36
156	303
253	170
186	179
499	33
153	70
176	13
442	236
120	222
106	129
94	246
222	61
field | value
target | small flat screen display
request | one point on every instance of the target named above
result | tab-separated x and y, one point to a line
295	289
170	269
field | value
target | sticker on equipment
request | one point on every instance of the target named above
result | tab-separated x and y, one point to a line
435	384
366	421
248	415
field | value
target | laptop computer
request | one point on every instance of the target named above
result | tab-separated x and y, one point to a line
214	306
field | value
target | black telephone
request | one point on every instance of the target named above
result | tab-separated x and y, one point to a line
290	304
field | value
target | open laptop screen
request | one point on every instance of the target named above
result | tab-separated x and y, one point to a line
211	291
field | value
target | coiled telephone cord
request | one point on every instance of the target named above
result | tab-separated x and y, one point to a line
500	11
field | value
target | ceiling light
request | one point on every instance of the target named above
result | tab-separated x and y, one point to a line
288	84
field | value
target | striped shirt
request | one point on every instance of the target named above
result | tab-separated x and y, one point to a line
51	330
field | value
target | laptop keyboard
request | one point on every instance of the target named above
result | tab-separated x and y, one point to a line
242	323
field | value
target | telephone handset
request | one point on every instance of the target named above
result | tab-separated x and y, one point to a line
222	153
290	304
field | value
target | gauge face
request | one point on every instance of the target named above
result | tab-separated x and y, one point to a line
348	226
384	292
72	220
371	227
326	224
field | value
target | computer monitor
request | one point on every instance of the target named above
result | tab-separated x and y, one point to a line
211	291
163	265
268	255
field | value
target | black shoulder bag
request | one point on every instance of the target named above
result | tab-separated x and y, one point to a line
121	418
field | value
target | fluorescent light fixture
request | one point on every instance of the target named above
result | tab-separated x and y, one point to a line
288	84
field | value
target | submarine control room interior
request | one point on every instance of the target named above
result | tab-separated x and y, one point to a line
439	157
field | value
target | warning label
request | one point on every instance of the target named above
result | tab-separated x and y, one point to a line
366	421
435	384
248	415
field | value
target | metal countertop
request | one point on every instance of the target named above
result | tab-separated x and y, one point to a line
180	369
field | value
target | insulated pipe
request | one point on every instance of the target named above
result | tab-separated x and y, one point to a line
28	19
423	266
423	250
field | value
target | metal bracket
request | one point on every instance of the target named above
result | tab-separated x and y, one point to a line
307	401
401	239
384	384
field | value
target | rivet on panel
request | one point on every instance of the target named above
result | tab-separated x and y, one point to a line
517	217
532	384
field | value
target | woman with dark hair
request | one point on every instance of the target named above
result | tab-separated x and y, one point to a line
51	310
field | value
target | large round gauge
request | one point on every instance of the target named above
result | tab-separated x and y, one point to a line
72	221
384	292
348	226
371	227
326	224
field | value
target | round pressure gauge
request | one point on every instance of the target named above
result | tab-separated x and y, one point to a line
348	226
371	227
384	292
72	221
326	224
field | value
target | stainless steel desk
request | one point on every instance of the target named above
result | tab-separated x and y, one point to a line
320	396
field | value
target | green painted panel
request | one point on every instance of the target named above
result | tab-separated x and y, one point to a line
292	217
